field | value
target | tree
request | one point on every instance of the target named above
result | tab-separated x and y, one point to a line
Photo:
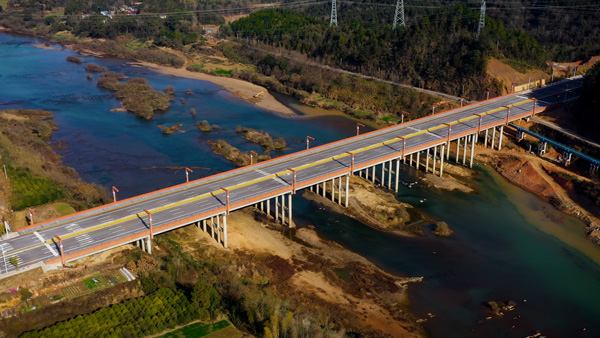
205	300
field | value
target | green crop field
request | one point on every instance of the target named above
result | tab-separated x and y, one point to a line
197	329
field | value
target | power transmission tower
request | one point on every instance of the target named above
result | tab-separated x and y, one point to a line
333	20
399	15
481	19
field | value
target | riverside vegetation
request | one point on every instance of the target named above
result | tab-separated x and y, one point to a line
35	171
136	94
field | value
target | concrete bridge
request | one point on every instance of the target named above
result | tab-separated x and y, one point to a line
424	143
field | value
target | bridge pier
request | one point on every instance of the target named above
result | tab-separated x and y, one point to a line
442	152
418	160
427	161
473	140
542	148
434	159
397	176
485	141
148	245
567	158
493	137
500	139
465	150
457	150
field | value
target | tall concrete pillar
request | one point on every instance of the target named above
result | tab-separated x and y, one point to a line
324	188
427	162
397	175
442	160
204	225
500	141
212	227
148	245
333	190
457	149
472	150
225	230
465	150
347	190
493	137
418	159
486	139
434	159
373	174
268	209
282	210
218	229
390	171
290	224
382	181
143	244
276	209
410	161
447	151
340	190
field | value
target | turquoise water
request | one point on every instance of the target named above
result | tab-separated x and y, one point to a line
502	249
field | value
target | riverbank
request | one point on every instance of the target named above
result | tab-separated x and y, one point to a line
536	175
240	88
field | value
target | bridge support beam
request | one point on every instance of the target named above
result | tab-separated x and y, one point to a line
418	160
347	190
493	137
473	140
434	159
485	141
148	245
390	172
427	161
397	176
500	140
442	153
457	150
542	148
465	150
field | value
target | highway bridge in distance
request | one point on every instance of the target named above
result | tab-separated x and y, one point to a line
270	185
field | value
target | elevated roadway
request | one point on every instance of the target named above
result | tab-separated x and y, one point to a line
125	221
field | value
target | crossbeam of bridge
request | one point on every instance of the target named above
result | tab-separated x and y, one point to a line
325	169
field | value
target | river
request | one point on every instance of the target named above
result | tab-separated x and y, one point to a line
507	245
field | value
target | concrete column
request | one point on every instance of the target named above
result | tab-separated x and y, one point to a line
333	190
324	188
225	230
382	181
218	229
493	137
390	174
340	190
442	160
149	245
373	174
397	175
486	139
434	159
282	210
500	141
290	224
447	151
143	244
472	150
204	225
347	190
418	159
427	161
410	161
465	150
268	209
276	209
457	149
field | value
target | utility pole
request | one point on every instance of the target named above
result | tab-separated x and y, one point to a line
481	19
333	20
399	15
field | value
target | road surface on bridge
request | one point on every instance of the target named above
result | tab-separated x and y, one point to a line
200	199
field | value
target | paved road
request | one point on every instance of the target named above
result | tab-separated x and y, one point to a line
566	131
204	197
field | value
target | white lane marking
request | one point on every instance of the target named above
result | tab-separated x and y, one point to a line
46	244
523	97
73	227
276	178
84	239
6	247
